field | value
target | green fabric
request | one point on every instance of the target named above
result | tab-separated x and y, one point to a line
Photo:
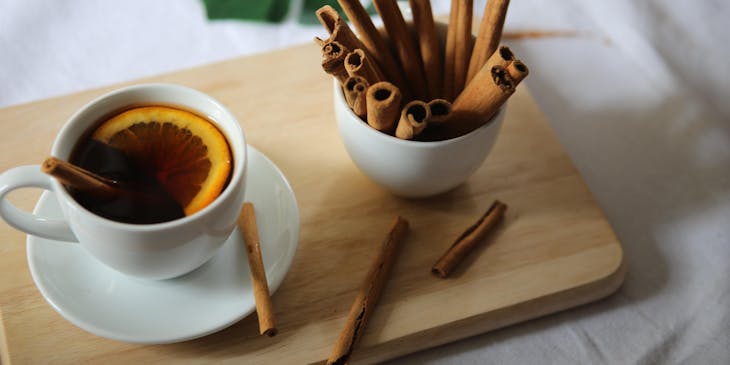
270	11
256	10
308	15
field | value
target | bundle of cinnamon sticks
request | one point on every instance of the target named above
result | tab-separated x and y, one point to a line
404	83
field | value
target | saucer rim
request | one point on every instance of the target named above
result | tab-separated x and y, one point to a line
97	330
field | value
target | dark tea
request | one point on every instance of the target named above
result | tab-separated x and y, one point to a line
169	163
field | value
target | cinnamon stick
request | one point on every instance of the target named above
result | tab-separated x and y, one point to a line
464	43
355	89
428	44
469	240
450	52
368	294
490	34
413	119
485	94
517	71
334	55
80	179
458	48
357	63
440	110
375	45
402	41
264	308
337	28
383	106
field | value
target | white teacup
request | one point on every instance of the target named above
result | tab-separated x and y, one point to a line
152	251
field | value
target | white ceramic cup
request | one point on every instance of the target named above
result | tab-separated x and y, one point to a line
413	169
151	251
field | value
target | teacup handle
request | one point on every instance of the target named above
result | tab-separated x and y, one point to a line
30	176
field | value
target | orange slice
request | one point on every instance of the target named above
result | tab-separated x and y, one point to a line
187	154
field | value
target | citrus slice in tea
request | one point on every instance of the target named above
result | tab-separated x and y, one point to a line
186	153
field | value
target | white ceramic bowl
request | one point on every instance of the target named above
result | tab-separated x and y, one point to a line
413	168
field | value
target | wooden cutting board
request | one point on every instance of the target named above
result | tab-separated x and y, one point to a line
554	251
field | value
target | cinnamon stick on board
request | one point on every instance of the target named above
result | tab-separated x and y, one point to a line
79	178
264	308
383	106
490	33
428	43
407	52
469	240
374	43
413	119
368	294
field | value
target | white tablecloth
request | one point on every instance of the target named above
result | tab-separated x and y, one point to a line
640	99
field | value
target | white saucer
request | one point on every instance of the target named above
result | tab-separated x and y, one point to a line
216	295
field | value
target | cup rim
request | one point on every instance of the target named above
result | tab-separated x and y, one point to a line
236	177
340	98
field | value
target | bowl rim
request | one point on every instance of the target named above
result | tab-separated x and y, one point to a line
340	99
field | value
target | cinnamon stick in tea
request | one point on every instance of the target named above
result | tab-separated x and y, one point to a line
264	308
368	294
383	106
428	44
402	41
490	34
357	63
355	89
469	240
374	43
333	60
413	119
462	52
80	179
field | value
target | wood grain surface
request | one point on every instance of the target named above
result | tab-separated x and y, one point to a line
554	251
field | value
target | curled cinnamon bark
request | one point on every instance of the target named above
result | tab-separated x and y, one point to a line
369	293
469	240
383	106
374	43
355	89
333	60
413	119
440	110
337	28
357	63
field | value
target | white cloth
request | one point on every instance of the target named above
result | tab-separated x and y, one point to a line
639	99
